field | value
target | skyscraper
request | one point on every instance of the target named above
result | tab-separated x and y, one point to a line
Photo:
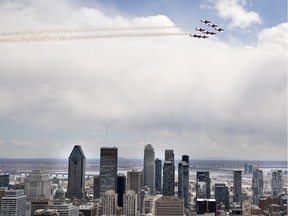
121	188
222	194
158	175
130	203
257	186
109	202
135	180
108	169
276	183
203	185
149	168
183	180
237	188
38	183
169	174
76	174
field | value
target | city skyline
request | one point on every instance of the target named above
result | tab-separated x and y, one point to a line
224	97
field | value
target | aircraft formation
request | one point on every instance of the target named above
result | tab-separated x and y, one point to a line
204	32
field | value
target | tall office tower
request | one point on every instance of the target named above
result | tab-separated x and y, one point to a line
158	175
183	180
76	174
169	174
13	203
257	186
109	203
203	185
222	195
130	203
96	188
168	181
149	168
135	180
121	188
4	180
108	169
237	187
276	183
246	168
38	184
165	206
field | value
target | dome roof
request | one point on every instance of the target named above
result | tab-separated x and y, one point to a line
59	194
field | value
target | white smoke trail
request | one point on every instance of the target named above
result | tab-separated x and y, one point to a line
86	34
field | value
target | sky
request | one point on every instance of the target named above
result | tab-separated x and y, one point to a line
114	84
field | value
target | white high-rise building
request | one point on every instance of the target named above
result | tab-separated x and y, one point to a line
276	182
13	203
37	184
130	203
109	203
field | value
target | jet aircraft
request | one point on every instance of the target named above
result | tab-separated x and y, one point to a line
211	33
195	36
205	21
219	29
200	29
213	25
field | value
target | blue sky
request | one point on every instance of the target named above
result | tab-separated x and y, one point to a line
225	96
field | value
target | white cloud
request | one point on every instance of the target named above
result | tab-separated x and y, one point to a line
184	93
236	11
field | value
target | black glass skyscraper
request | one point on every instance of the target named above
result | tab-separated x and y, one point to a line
169	174
222	194
158	175
108	169
237	187
183	180
121	188
76	174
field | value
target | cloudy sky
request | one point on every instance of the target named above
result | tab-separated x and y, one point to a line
224	97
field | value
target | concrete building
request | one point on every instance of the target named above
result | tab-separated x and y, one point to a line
183	181
145	191
158	175
39	204
237	185
88	209
76	174
130	203
13	203
38	183
276	183
165	206
149	168
149	205
135	180
203	187
65	209
108	169
46	212
109	203
257	186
